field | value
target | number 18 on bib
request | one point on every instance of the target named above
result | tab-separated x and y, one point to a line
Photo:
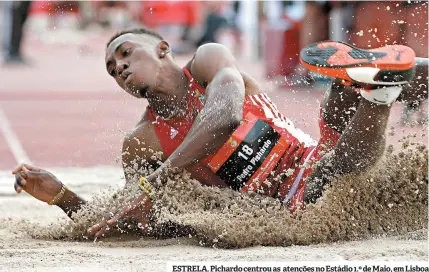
249	155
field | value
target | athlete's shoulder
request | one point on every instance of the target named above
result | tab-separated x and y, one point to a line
208	49
143	131
141	142
208	59
140	149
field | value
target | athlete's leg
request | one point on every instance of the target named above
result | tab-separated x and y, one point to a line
362	141
339	106
360	146
341	101
417	90
362	125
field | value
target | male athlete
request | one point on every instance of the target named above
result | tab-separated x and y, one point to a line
213	120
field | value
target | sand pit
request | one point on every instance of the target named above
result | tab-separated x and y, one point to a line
386	221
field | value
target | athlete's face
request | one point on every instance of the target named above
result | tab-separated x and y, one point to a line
134	61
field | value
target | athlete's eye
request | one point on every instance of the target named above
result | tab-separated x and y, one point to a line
126	52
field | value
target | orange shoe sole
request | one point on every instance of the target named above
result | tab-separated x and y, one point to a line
389	65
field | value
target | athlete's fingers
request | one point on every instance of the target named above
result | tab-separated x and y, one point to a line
117	216
18	168
22	182
113	220
18	189
97	227
104	226
25	170
32	168
19	179
101	232
94	229
31	173
129	208
29	167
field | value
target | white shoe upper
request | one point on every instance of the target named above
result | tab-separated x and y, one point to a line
367	74
384	95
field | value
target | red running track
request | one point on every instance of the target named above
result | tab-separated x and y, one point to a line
64	111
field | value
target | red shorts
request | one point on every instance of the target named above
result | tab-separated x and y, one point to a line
292	189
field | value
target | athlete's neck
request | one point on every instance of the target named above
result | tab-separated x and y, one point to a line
169	98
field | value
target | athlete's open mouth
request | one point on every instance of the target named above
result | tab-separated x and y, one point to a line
128	84
127	77
143	92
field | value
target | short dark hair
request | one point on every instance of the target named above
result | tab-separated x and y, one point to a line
136	31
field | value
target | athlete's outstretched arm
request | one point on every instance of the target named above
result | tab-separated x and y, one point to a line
44	186
223	108
214	65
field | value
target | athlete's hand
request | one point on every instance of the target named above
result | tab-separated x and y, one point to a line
135	213
37	182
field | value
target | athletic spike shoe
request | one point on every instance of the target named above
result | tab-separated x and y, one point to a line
368	69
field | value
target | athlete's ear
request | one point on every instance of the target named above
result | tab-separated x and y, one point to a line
163	48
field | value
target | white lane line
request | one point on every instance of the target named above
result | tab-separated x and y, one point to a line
12	140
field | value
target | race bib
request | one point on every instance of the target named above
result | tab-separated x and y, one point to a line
249	155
